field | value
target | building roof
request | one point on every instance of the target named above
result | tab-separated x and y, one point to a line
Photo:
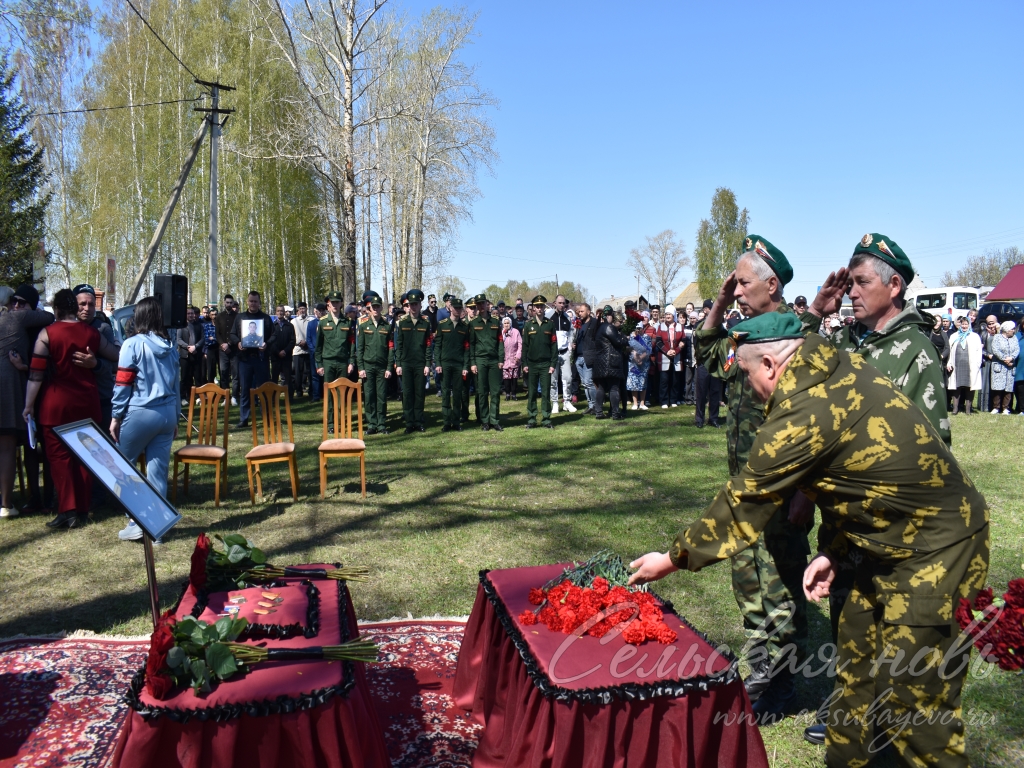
1010	287
689	295
619	302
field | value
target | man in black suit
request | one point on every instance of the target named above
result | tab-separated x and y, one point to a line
280	348
191	340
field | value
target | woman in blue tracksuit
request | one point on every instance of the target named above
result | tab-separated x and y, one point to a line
145	405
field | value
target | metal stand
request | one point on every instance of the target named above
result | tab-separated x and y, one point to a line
154	600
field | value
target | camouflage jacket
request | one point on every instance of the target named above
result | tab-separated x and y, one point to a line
904	352
744	414
841	432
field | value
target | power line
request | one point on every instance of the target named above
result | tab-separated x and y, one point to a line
107	109
165	45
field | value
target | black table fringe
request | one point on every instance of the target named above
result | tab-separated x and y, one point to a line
280	706
607	694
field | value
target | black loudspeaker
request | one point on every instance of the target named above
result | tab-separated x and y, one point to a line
172	293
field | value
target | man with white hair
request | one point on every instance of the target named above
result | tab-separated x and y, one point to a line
889	488
766	577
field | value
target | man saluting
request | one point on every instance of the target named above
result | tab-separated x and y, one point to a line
888	487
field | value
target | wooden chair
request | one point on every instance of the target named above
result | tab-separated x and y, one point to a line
212	400
267	401
341	393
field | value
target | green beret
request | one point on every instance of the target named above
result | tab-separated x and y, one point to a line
885	249
414	295
456	302
771	256
539	301
334	296
446	296
372	297
771	326
607	310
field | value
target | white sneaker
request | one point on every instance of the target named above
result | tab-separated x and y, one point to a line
554	407
994	410
633	407
8	512
675	405
567	405
234	402
664	406
643	406
130	532
184	403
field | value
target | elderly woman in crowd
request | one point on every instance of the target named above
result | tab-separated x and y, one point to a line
609	365
1005	351
941	342
964	366
69	394
19	320
639	363
511	367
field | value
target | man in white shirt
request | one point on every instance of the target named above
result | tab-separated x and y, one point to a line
565	336
300	354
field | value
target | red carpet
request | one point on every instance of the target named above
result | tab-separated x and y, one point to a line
61	700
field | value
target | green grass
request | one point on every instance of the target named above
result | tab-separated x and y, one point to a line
441	507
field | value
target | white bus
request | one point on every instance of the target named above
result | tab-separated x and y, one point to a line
954	300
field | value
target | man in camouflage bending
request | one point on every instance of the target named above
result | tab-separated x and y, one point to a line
888	487
891	335
766	577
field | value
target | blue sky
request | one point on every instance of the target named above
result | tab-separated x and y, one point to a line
827	120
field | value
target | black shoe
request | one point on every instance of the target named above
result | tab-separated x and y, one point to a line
485	428
61	520
530	425
497	427
716	425
330	430
775	703
383	431
242	425
759	679
370	431
446	428
600	416
410	430
815	734
78	521
458	428
699	425
618	417
421	428
548	425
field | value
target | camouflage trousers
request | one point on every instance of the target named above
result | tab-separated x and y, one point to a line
902	662
767	580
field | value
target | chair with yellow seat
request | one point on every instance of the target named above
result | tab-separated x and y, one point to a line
205	450
266	401
343	394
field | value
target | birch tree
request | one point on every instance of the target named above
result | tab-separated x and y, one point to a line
659	262
719	241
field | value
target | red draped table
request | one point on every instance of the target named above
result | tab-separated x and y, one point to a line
550	700
308	714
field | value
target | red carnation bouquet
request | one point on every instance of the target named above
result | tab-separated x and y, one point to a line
997	625
592	598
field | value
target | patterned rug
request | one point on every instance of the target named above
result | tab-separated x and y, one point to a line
61	705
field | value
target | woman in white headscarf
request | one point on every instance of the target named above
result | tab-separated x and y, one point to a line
964	366
1005	351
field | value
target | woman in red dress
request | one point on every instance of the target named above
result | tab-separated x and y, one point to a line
63	354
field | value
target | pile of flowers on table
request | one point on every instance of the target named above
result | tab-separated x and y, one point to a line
997	625
592	598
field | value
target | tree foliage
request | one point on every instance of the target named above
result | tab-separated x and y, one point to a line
660	262
719	241
22	174
520	289
987	269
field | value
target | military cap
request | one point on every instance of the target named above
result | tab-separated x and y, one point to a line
447	296
471	302
539	301
771	326
367	295
656	306
771	256
415	295
371	297
431	296
607	310
84	288
480	298
885	249
501	303
456	302
708	303
334	296
630	303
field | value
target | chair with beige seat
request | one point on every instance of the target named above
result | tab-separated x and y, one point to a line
212	399
266	400
343	394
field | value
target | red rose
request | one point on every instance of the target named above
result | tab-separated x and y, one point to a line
529	618
158	682
197	576
537	596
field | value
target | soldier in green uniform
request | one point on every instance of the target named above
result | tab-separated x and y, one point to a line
374	356
451	361
766	577
334	341
888	487
469	384
412	360
540	355
486	352
893	337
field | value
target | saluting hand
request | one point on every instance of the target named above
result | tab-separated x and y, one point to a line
830	296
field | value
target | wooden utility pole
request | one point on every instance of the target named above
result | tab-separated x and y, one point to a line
212	289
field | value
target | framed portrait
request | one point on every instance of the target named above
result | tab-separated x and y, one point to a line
143	503
252	334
